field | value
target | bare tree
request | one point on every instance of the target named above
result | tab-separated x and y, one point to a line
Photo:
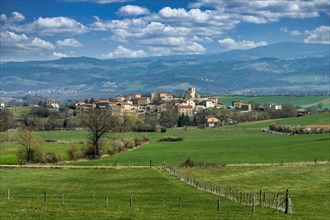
98	122
30	151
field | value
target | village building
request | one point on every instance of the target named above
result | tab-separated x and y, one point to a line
212	121
185	110
274	106
166	96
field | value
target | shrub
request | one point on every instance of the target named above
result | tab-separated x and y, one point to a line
74	153
50	140
163	129
170	139
52	158
129	143
188	163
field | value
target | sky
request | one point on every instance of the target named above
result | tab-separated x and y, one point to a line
107	29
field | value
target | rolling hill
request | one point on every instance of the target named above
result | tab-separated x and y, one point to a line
281	68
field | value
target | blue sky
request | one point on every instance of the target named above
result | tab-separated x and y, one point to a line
106	29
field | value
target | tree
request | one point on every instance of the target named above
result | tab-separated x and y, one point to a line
98	122
169	118
30	151
6	120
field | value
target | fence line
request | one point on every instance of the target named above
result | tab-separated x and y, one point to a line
276	201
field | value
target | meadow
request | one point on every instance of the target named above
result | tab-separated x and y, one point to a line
85	192
85	189
302	101
308	185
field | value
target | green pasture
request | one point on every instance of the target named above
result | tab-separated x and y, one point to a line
302	101
232	144
85	191
308	185
314	119
222	145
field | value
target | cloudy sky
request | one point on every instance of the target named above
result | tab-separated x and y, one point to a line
47	29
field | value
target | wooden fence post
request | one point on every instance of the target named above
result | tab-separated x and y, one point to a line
45	196
164	202
180	202
277	201
8	194
106	201
219	205
62	198
287	201
260	201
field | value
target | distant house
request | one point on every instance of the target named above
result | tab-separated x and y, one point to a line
2	105
103	103
154	96
51	104
120	98
237	104
246	107
140	101
135	96
165	96
274	106
212	121
185	110
85	106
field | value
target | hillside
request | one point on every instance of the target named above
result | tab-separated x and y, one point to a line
263	70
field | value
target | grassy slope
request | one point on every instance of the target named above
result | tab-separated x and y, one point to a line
303	101
228	146
85	192
315	119
308	185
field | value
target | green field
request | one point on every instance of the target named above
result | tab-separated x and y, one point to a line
85	189
85	192
236	144
308	185
302	101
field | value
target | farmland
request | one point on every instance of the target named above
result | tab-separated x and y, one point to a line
302	101
85	189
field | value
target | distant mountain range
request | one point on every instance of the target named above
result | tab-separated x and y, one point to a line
280	68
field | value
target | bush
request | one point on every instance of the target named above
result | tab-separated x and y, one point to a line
170	139
74	153
188	163
163	129
33	155
52	158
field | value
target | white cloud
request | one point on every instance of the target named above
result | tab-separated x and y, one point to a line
3	17
69	42
284	29
60	55
231	44
260	11
52	26
320	35
132	10
296	33
122	52
17	17
42	44
13	43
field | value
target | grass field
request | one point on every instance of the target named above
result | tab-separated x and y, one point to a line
236	144
302	101
315	119
85	192
308	185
